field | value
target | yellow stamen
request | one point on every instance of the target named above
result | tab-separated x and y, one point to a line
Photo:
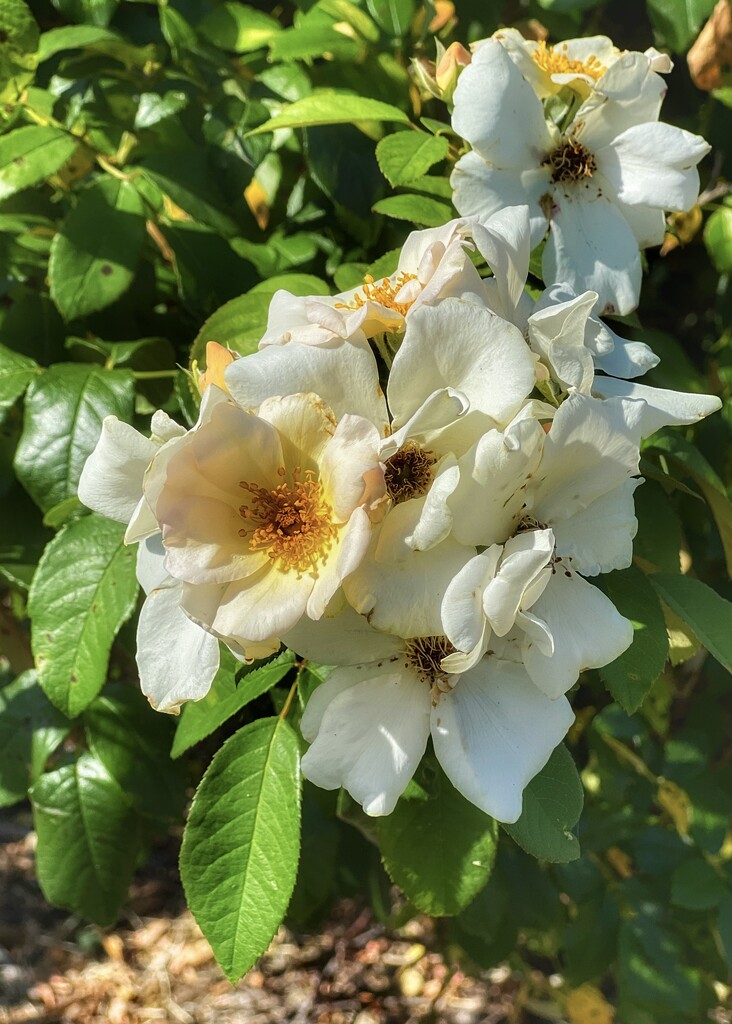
554	60
291	522
383	292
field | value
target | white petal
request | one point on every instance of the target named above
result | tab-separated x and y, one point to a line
618	356
345	639
591	246
587	628
481	190
494	732
494	474
344	558
400	590
349	468
462	607
592	447
654	165
662	408
523	567
288	320
346	378
438	410
491	99
372	735
599	538
435	521
557	334
151	572
504	241
461	345
177	659
111	480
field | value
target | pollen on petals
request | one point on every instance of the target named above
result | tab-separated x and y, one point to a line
555	61
291	522
383	292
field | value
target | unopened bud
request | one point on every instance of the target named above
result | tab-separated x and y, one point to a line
440	78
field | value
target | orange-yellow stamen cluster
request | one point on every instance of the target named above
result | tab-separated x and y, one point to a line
554	60
291	522
383	292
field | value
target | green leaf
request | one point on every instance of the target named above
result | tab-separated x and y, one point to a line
724	926
185	177
30	730
552	806
298	284
630	677
718	239
239	325
202	717
708	614
87	839
132	742
73	37
421	210
64	409
309	41
331	108
22	538
695	885
652	973
32	154
95	254
405	156
19	49
658	541
16	373
437	846
239	27
693	462
154	107
393	16
238	862
677	22
84	589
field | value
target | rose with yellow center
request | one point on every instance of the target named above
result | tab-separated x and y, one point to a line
262	516
555	60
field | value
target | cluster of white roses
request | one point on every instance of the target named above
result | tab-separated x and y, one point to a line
432	538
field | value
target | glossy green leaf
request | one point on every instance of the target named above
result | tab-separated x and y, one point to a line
73	37
32	154
16	373
239	325
724	927
332	108
19	49
87	839
30	730
437	846
708	614
651	971
185	177
552	806
239	27
83	591
64	409
239	857
631	676
421	210
392	16
405	156
202	717
95	254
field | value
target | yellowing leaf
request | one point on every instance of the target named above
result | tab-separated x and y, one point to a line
587	1005
676	803
256	199
682	643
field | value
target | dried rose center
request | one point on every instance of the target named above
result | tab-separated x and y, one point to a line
425	654
571	162
384	292
291	522
408	472
554	60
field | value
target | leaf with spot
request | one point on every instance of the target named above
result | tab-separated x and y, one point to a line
64	409
238	862
32	154
95	254
84	589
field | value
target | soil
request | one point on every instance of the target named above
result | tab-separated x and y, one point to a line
155	965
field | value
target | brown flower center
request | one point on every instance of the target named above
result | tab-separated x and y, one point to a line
291	522
554	60
408	472
571	162
424	655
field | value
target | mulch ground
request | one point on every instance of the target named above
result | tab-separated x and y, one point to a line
156	966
